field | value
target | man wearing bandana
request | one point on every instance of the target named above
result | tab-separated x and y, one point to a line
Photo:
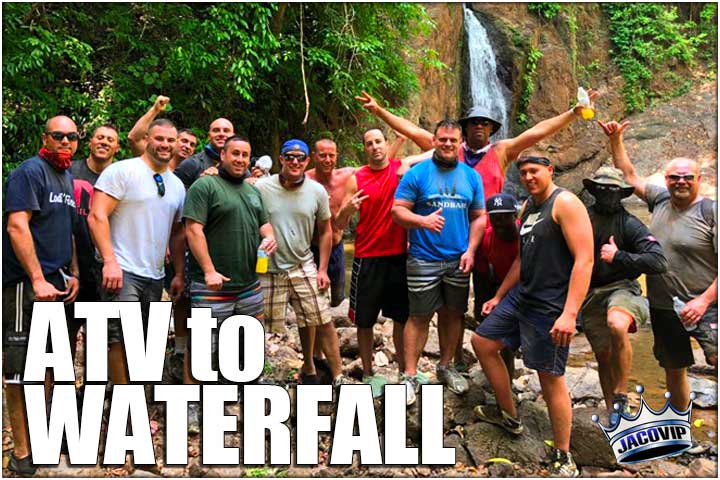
206	161
37	245
614	305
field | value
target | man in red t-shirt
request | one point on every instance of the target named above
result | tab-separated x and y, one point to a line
379	279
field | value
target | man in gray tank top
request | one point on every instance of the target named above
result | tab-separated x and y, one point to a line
537	304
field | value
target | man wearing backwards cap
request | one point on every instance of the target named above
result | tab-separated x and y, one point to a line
541	297
614	306
490	160
297	206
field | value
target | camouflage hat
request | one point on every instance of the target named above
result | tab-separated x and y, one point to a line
608	176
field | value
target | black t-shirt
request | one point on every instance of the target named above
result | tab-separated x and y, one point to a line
38	187
191	169
83	182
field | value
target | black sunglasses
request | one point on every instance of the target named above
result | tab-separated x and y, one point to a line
480	121
299	158
72	136
160	184
676	178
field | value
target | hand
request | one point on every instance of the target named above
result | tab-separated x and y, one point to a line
251	180
400	137
356	200
613	129
269	244
161	102
593	94
467	261
257	172
563	330
112	276
323	281
489	306
177	285
214	280
608	251
73	288
434	222
368	102
210	171
694	311
45	291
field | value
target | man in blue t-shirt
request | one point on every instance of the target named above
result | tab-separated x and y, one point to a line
441	203
38	221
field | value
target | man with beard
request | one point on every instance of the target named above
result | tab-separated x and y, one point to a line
37	245
135	215
226	223
103	147
186	142
205	162
441	202
685	224
614	306
547	285
298	206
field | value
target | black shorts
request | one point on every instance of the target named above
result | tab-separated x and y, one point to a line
17	311
672	347
378	283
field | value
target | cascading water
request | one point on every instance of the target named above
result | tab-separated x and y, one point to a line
486	89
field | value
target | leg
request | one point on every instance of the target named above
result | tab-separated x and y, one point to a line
398	341
677	384
557	397
488	353
328	339
449	331
621	358
415	336
508	357
365	344
307	342
607	382
15	399
425	297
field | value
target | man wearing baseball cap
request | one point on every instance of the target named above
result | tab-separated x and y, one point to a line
614	306
297	206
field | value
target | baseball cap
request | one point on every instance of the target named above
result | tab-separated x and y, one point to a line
294	144
501	203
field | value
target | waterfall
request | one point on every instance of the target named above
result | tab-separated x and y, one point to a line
486	89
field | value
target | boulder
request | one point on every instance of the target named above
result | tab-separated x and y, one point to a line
347	340
702	467
706	392
587	442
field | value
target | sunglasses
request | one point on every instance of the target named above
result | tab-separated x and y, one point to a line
606	188
160	184
676	178
293	158
480	121
72	136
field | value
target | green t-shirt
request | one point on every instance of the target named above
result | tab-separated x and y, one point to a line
232	215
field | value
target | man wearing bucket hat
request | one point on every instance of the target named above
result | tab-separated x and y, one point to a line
479	124
614	305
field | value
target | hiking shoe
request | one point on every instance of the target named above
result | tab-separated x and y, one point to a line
376	382
500	418
176	368
306	379
22	466
411	386
462	368
193	418
450	377
561	464
621	401
322	369
340	380
421	378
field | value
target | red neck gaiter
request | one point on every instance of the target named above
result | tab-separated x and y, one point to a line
59	160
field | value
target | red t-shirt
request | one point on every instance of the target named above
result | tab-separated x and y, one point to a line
496	252
489	169
376	235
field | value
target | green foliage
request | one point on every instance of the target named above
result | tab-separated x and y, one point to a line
546	10
708	25
528	84
647	38
261	472
98	62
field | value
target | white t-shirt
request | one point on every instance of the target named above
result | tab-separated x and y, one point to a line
141	223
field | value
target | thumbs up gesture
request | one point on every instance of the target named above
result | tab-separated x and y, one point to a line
435	221
608	251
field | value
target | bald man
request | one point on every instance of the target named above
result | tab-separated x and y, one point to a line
685	224
206	162
38	261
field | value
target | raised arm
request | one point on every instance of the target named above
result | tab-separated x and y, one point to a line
421	137
395	146
99	222
136	137
408	162
615	131
351	204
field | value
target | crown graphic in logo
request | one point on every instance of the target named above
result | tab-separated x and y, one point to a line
649	435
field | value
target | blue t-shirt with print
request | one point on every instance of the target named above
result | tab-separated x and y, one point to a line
456	191
37	187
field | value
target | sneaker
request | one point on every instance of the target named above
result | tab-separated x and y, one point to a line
376	382
450	377
22	466
322	368
411	386
176	368
421	378
306	379
622	401
561	464
500	418
193	418
462	368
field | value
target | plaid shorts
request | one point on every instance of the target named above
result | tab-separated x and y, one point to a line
298	287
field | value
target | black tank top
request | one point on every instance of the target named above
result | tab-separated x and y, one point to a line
545	260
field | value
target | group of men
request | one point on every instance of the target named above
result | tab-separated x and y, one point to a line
196	224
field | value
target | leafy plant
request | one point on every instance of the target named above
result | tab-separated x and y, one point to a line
546	10
528	84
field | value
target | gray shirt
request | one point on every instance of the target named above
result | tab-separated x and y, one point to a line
690	246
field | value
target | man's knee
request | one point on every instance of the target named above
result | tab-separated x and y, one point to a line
485	347
618	322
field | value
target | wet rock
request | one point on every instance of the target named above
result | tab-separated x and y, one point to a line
462	457
588	444
432	346
706	391
702	467
582	382
500	470
347	340
595	472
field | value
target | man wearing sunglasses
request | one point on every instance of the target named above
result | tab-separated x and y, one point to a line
298	206
135	215
38	242
614	306
685	224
